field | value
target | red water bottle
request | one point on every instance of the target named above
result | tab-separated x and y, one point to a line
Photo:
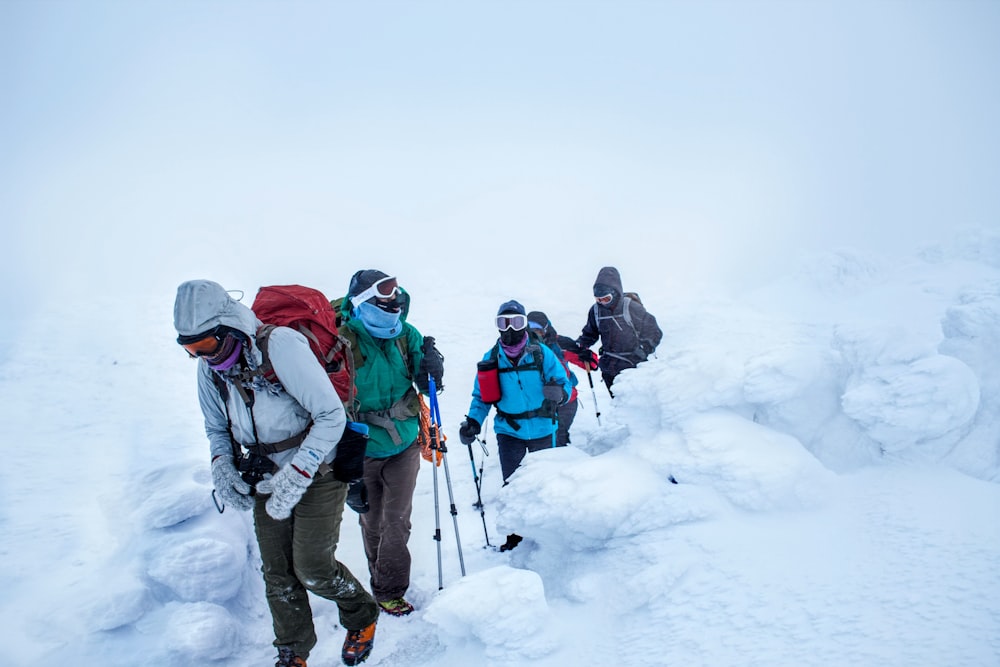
488	374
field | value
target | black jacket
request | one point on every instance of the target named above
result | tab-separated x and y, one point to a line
627	332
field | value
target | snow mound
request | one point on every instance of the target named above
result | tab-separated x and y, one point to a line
199	569
201	631
902	406
580	501
502	607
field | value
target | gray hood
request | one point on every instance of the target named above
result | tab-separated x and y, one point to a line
202	305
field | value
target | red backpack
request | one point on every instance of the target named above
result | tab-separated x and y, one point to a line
309	312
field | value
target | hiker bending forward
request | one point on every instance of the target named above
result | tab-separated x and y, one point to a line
531	384
390	356
298	505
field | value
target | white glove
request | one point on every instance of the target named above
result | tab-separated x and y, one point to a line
286	488
229	485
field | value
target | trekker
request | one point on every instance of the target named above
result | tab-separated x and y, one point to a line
390	356
628	333
527	384
540	325
298	502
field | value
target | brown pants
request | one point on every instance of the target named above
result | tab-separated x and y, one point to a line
386	526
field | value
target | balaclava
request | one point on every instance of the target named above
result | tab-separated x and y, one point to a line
510	339
378	321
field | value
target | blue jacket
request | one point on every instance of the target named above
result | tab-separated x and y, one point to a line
521	392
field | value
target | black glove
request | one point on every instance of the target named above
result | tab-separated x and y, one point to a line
432	364
642	351
468	431
357	496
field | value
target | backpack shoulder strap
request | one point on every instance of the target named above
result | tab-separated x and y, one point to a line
223	388
351	339
266	370
403	345
628	316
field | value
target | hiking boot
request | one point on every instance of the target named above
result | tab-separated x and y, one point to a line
512	541
396	607
287	658
357	645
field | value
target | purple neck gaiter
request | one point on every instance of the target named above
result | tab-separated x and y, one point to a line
514	351
228	358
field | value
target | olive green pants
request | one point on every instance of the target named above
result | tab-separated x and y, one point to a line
299	555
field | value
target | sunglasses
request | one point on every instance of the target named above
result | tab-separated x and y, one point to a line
515	322
202	347
604	300
386	288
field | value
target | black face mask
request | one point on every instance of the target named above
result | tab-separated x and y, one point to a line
391	306
510	337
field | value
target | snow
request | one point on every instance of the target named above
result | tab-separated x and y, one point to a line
836	496
807	474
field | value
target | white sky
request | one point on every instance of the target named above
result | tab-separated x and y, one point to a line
690	141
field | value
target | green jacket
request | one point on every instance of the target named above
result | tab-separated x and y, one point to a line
386	398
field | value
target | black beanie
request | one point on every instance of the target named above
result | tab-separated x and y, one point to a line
364	279
539	318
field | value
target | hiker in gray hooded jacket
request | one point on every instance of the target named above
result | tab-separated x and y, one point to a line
298	505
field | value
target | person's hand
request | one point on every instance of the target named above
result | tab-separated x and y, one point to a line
641	352
588	357
468	431
428	454
552	391
357	496
432	364
229	485
553	396
286	488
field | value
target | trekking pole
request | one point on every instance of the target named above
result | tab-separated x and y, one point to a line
478	479
432	431
597	410
438	444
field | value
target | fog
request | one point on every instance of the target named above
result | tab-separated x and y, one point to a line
483	151
475	144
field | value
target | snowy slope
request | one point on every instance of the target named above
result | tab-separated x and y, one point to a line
833	437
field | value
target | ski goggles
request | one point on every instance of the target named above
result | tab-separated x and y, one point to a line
386	288
511	321
604	300
204	345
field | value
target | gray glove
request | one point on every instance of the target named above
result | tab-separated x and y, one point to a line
229	485
554	396
286	488
553	392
